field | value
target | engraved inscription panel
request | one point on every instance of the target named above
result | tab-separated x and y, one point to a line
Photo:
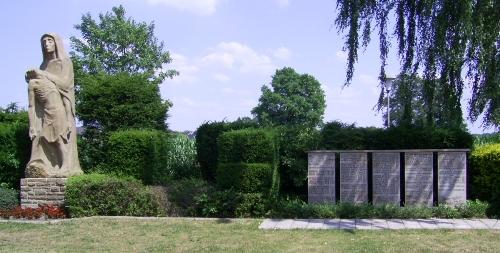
451	177
418	178
321	177
354	177
386	178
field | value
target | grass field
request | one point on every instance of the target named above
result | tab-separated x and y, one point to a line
183	235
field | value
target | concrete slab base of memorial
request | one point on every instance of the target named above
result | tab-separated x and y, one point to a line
373	224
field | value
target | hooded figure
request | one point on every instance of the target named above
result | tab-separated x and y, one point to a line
51	113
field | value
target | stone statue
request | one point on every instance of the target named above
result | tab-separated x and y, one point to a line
51	113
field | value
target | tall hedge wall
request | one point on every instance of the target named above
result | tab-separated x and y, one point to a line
249	157
246	177
141	154
337	135
485	164
15	150
248	146
207	148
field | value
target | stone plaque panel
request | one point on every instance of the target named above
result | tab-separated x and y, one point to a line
321	177
354	177
418	178
451	177
386	178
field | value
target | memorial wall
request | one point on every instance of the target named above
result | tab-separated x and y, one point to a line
399	177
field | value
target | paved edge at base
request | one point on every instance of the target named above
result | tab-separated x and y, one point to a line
339	224
374	224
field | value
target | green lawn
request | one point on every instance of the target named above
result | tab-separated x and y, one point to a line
183	235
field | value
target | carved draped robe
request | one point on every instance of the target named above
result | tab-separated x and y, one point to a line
52	118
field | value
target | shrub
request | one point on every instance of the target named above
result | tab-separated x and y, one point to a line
218	203
414	212
473	209
485	139
206	147
15	149
337	135
251	205
239	149
248	146
207	143
98	194
245	177
9	198
345	210
184	192
296	208
485	165
141	154
446	212
294	142
181	157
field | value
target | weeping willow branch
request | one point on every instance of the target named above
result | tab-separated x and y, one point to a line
439	39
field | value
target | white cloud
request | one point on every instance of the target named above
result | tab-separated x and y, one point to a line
199	7
187	71
240	56
223	58
282	53
283	3
221	77
341	55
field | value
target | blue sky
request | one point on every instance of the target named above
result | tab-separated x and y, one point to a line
225	50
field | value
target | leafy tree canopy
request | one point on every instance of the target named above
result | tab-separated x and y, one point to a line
294	99
13	113
407	107
117	44
440	39
121	101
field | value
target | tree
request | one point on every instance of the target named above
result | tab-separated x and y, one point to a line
407	107
440	39
118	44
294	99
12	113
121	101
109	48
119	64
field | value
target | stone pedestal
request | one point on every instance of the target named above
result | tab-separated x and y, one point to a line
36	192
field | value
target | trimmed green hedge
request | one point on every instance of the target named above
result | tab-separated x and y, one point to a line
337	135
245	177
296	208
294	144
9	198
248	161
485	163
15	150
99	194
142	154
248	146
207	148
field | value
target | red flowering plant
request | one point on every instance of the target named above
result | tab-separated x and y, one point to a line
46	211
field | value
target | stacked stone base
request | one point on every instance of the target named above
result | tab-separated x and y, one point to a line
36	192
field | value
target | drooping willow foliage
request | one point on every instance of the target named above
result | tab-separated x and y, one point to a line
442	40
